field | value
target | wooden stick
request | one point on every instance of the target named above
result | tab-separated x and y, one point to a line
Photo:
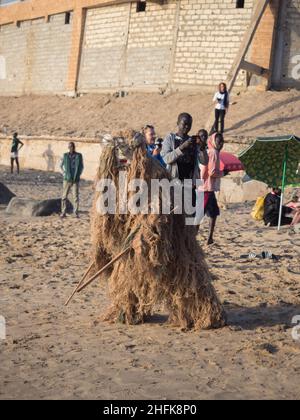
173	210
79	284
103	269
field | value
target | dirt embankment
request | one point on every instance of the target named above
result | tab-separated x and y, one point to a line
250	115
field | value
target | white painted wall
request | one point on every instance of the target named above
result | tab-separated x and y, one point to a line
45	154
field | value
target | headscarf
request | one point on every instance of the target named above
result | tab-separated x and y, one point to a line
211	143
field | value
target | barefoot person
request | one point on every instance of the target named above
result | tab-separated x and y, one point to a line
15	148
72	167
221	101
211	176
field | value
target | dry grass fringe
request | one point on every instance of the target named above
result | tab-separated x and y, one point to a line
166	265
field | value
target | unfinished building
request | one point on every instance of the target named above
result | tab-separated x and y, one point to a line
71	46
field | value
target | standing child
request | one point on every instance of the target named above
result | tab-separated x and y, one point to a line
15	153
221	99
211	177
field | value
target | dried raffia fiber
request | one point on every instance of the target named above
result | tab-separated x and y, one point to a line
166	265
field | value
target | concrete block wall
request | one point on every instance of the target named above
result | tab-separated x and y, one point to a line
210	34
290	26
179	43
150	43
103	47
36	55
13	46
123	48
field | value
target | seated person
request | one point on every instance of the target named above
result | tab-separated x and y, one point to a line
296	218
295	201
272	209
295	205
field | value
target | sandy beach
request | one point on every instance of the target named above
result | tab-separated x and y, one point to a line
53	352
121	97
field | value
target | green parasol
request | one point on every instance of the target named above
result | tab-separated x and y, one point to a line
274	161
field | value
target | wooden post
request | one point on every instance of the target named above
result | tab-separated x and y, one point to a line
262	49
110	264
244	47
254	69
79	284
248	38
76	47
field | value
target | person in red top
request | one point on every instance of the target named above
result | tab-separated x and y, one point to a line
211	176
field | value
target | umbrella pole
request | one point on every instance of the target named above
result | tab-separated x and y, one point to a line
283	187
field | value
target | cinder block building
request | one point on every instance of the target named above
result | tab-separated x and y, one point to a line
68	46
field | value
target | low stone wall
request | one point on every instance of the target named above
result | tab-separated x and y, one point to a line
235	190
45	153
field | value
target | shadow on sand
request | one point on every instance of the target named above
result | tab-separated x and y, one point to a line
260	316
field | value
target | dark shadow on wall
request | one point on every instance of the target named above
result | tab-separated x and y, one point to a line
286	80
260	316
48	155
